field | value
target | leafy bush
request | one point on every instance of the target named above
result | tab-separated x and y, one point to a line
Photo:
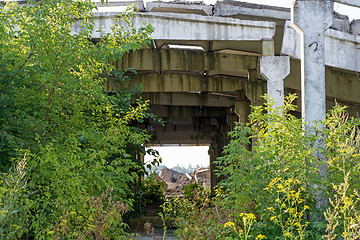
150	191
82	159
192	190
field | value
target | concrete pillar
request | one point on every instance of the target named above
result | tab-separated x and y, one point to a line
242	107
216	150
213	154
255	88
311	19
274	69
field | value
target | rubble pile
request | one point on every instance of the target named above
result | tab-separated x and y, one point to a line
176	181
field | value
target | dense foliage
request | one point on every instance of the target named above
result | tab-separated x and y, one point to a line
68	154
272	179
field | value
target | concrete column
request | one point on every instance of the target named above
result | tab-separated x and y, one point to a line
242	107
216	150
274	69
213	154
311	19
255	88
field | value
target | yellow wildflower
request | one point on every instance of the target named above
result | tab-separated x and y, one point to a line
260	236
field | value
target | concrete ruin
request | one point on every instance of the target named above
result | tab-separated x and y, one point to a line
208	63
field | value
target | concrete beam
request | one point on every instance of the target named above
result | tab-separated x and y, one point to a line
180	142
274	69
340	84
195	27
173	82
206	127
190	99
182	139
187	26
161	60
182	111
184	134
342	50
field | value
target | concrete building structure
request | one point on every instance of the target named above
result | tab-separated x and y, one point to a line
207	64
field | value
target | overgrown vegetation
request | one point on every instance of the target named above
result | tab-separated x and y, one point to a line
269	188
67	150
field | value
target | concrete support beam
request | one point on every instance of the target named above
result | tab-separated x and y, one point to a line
184	134
180	142
311	19
182	129
190	99
162	60
195	27
341	85
182	111
187	26
173	82
274	69
182	139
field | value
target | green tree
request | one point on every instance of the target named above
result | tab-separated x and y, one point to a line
81	148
